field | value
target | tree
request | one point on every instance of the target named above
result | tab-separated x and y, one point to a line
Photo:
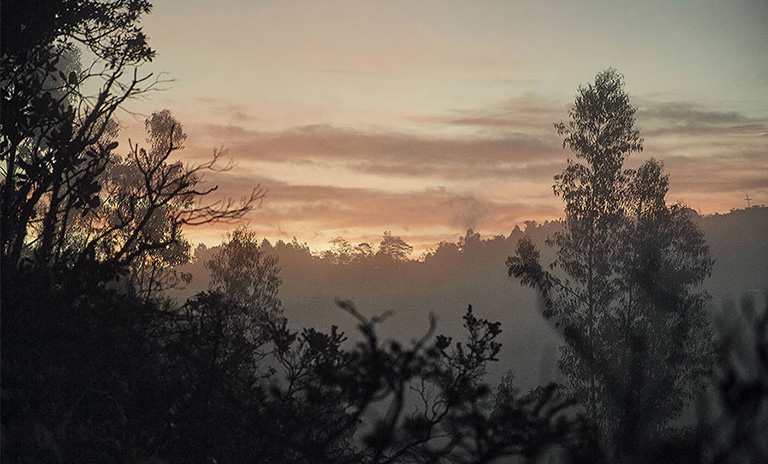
248	278
424	402
144	200
66	196
637	339
362	252
88	344
56	138
741	383
341	252
394	248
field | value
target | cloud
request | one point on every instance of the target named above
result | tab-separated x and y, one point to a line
323	212
688	113
352	72
525	113
223	109
466	211
387	153
495	169
719	175
718	183
471	172
688	119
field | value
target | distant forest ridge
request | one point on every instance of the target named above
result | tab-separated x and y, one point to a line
738	241
722	230
472	270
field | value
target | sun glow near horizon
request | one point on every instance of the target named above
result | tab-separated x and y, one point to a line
431	118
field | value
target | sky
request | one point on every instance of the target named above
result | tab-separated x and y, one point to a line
427	118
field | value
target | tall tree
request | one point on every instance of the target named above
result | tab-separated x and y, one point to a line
637	339
73	216
57	132
248	278
60	173
146	198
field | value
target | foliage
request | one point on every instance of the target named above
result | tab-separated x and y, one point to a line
740	408
245	273
56	137
366	392
391	249
343	253
66	197
394	248
108	28
99	375
637	337
77	364
247	278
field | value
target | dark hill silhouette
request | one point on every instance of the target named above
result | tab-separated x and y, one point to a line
739	242
472	271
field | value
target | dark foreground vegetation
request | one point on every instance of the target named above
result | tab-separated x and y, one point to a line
99	365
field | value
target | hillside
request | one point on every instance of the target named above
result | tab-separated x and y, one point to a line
473	271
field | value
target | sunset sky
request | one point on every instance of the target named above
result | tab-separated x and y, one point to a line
426	118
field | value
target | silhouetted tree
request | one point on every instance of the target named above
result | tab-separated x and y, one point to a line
56	138
340	252
469	241
65	195
394	248
83	375
740	409
547	423
367	392
84	233
145	200
248	278
637	338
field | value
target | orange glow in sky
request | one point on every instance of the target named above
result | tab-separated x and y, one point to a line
427	118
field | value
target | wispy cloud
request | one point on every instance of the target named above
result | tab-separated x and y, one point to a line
390	153
352	72
325	180
688	119
528	113
319	213
688	113
337	207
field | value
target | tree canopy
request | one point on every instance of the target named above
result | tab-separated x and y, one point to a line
623	285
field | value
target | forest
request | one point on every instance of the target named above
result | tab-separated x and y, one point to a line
633	329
